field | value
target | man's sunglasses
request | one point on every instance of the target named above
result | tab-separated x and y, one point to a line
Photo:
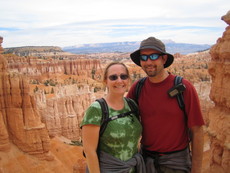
115	77
153	56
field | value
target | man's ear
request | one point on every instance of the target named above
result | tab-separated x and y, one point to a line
165	57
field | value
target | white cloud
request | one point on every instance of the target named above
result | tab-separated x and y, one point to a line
69	22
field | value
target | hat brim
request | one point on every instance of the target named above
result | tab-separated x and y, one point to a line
135	56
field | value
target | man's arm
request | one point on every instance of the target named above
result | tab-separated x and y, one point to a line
197	148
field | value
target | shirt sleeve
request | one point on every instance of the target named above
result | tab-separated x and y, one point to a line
92	115
192	106
131	92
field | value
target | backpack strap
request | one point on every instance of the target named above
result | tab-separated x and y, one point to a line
138	88
105	114
133	107
179	96
180	100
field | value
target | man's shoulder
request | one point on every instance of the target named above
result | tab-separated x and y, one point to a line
184	80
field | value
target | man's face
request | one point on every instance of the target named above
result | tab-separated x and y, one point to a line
152	67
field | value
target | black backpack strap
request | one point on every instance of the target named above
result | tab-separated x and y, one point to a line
106	119
105	114
179	96
138	88
180	100
133	107
118	116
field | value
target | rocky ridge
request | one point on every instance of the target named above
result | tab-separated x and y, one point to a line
218	116
37	51
19	117
29	121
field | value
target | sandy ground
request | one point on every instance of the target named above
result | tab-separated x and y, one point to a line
62	158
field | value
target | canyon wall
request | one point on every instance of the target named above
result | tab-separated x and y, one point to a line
29	119
4	137
32	122
63	112
218	120
20	122
33	66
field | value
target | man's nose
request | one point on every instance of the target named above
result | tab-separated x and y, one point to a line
149	60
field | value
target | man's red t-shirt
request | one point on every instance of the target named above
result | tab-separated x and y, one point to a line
164	127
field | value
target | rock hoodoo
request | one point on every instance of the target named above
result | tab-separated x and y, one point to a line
219	115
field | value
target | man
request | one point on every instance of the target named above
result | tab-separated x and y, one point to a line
165	137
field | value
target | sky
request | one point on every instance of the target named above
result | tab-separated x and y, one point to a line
74	22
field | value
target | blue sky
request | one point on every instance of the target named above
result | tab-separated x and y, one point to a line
73	22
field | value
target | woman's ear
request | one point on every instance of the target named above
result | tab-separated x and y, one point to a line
104	82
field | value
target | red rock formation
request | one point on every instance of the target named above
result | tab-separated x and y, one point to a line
21	127
218	124
34	67
63	112
4	136
19	120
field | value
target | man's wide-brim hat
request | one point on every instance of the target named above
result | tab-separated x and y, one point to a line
152	43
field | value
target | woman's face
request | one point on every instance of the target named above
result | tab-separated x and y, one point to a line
117	79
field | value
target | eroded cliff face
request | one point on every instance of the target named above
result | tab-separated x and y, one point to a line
4	136
19	120
31	123
219	115
63	112
33	66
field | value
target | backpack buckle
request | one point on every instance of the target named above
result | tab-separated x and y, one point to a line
174	91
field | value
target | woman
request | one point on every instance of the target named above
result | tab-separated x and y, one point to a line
119	142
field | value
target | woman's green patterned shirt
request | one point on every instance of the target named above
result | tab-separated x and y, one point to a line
121	136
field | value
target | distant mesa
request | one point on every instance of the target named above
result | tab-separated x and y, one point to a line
35	51
117	47
172	47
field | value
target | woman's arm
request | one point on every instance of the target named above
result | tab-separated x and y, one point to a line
90	138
